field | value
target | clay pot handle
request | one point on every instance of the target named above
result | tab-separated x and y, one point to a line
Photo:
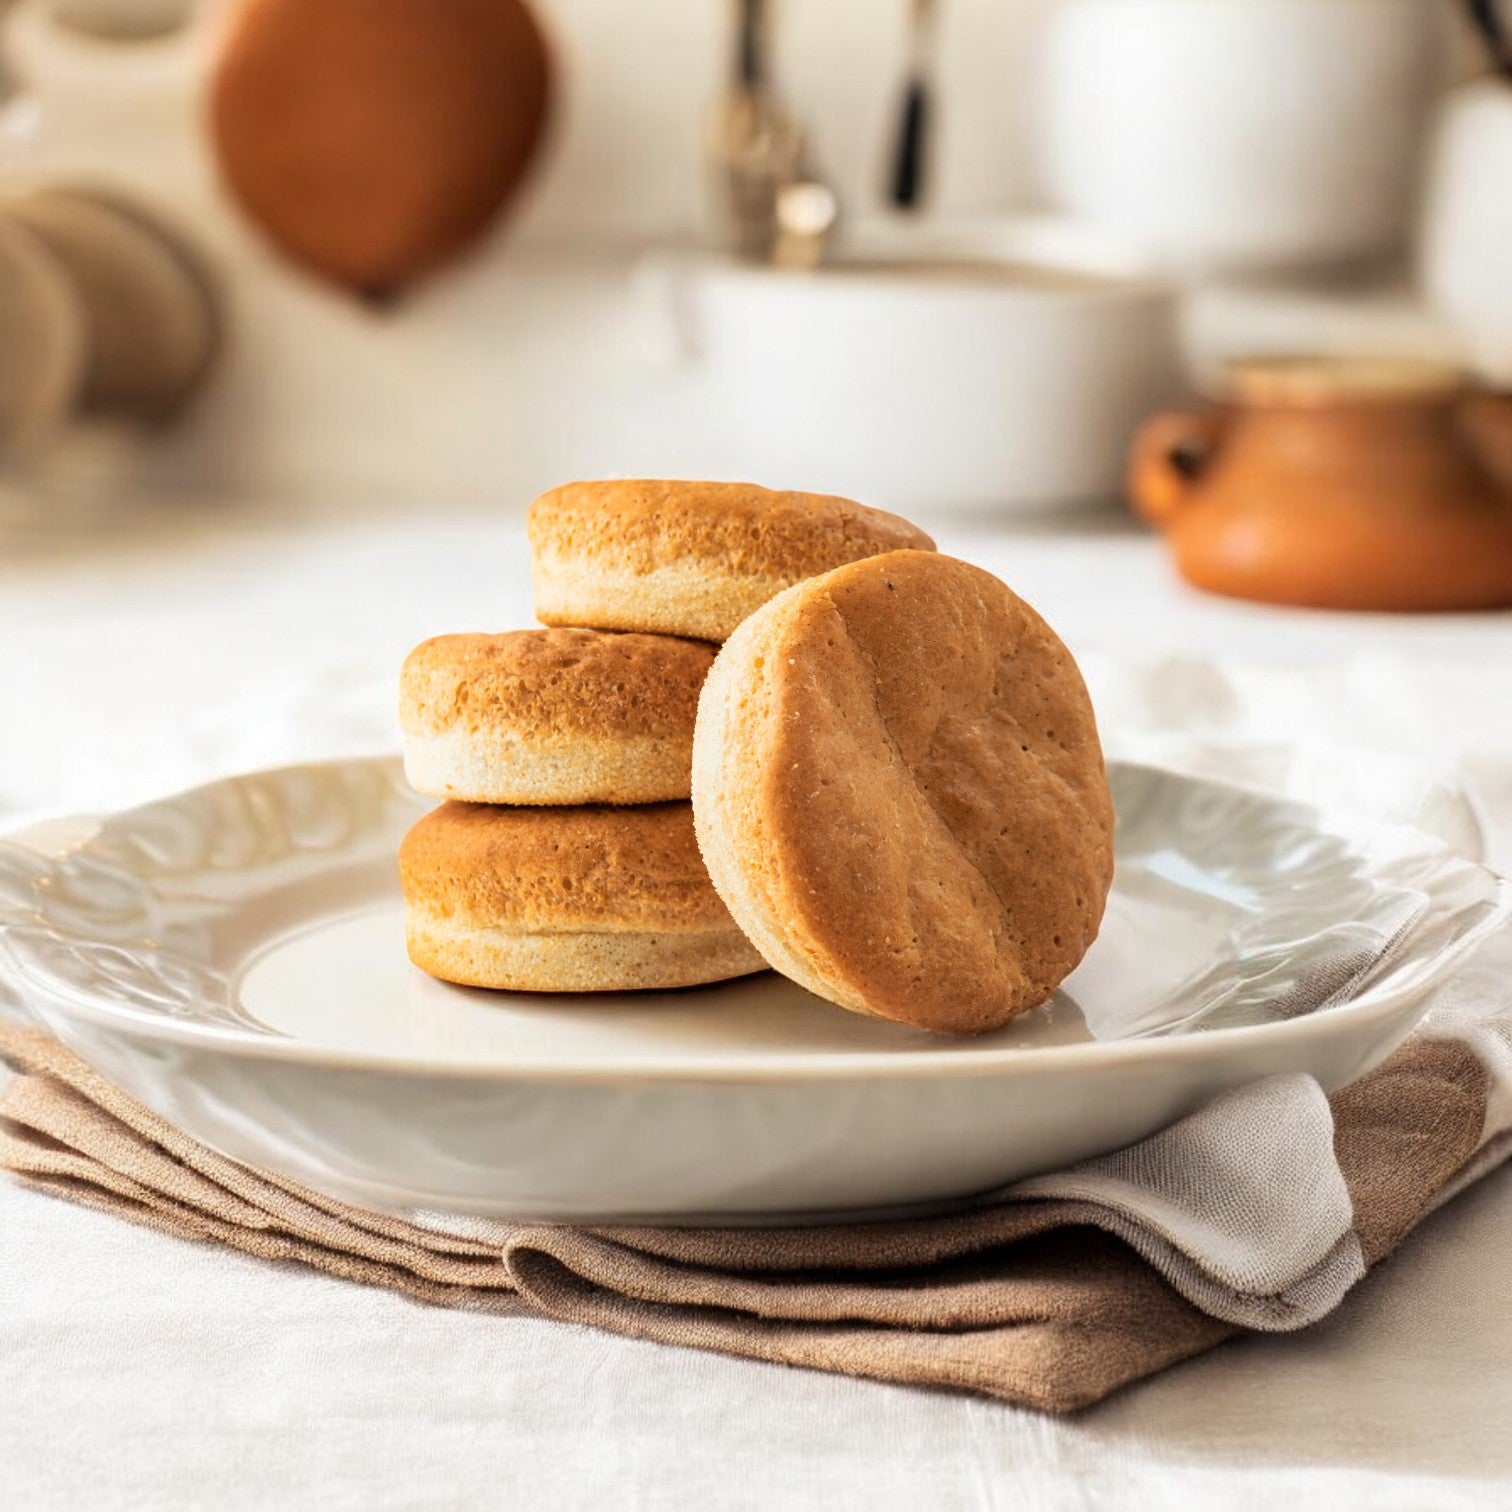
1488	418
1169	453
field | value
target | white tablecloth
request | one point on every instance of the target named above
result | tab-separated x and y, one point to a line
137	1371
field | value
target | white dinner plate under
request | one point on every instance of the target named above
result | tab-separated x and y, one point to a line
234	957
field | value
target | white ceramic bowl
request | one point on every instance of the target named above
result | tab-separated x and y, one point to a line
1228	134
908	376
234	957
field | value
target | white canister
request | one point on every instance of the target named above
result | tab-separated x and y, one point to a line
983	371
1466	253
1241	134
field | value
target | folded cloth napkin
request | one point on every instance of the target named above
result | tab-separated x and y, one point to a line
1257	1212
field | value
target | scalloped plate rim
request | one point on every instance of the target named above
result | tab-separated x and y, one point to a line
1383	999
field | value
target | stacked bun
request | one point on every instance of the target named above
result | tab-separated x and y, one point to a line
565	859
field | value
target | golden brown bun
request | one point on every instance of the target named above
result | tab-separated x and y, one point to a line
900	794
690	558
588	899
552	716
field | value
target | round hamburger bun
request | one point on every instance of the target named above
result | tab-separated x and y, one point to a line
900	794
552	716
591	899
690	558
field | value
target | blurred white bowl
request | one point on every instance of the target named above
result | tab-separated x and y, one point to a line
992	366
1230	134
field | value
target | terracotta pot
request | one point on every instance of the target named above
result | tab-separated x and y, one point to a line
1337	484
374	142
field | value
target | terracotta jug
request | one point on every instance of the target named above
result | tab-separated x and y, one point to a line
1337	483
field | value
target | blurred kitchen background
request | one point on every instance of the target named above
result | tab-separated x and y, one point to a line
1283	163
302	301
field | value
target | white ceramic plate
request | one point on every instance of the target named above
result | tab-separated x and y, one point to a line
234	957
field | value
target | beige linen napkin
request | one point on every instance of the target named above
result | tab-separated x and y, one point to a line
1052	1296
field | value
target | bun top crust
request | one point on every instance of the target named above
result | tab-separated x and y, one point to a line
741	529
912	788
592	867
554	682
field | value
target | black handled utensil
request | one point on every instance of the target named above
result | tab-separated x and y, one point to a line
750	45
910	161
1486	17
